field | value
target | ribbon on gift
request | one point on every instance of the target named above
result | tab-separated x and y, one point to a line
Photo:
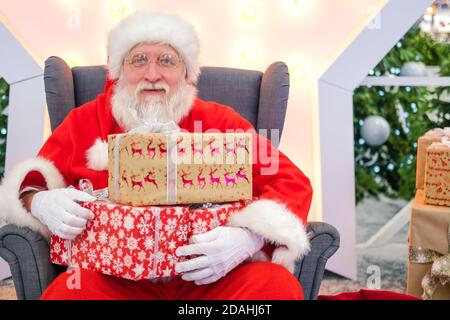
439	132
440	268
171	130
85	185
445	140
156	253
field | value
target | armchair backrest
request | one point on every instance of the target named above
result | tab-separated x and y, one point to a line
259	97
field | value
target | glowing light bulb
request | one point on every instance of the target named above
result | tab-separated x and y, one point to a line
296	72
431	10
249	55
250	11
118	9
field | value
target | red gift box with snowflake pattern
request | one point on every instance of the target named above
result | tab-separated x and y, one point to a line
137	242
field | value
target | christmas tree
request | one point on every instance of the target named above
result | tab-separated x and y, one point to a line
4	97
390	168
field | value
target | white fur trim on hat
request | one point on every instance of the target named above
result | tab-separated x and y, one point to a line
153	27
279	225
12	208
97	155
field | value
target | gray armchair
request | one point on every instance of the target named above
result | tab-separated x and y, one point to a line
260	97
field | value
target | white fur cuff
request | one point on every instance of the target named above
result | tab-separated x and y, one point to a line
97	155
279	225
12	210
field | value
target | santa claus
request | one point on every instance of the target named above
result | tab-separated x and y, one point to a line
152	71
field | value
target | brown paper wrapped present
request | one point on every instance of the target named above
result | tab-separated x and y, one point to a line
179	168
428	273
437	174
423	143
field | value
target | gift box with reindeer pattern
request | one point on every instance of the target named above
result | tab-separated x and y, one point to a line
179	168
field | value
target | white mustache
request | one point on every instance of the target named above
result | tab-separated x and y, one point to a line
152	86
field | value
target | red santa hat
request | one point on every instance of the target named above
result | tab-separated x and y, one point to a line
154	27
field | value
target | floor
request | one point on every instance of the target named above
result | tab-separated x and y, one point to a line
389	261
379	268
7	291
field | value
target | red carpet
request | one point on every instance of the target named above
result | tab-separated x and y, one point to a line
364	294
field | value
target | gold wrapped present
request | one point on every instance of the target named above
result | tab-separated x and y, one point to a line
437	174
423	143
179	168
429	257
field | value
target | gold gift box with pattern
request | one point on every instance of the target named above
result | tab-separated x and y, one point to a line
437	175
179	168
434	135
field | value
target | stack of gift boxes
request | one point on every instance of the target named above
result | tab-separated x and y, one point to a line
162	189
429	233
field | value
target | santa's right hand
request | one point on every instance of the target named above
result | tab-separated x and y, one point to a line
58	210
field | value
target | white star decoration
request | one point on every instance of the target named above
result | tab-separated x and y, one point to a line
179	211
138	269
166	272
65	257
172	245
91	236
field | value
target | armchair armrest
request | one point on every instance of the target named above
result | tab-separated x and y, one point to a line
27	254
309	271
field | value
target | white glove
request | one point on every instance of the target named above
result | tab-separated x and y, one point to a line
220	250
58	210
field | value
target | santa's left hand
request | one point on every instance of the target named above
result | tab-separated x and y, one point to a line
220	250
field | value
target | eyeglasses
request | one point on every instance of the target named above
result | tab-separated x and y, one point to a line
166	60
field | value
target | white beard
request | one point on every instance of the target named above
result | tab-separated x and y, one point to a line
130	113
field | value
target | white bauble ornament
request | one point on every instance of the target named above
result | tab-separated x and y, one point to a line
375	130
413	69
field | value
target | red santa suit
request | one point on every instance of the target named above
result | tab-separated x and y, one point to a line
77	149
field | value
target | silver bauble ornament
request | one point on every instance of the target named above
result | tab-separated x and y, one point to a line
375	130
